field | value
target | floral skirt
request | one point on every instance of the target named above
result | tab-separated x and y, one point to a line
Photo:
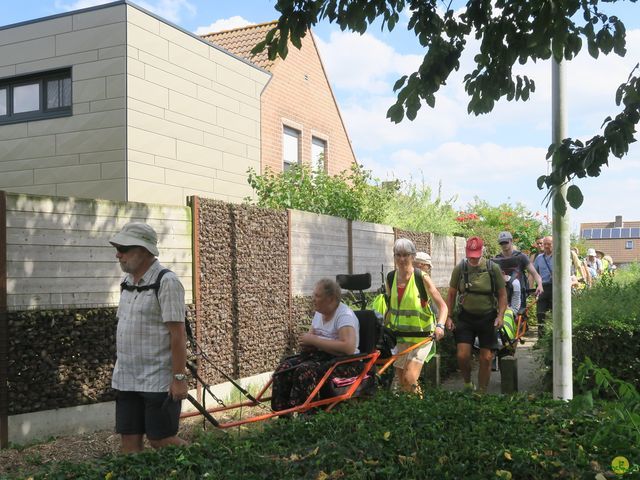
297	376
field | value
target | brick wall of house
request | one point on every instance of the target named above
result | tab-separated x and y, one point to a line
616	247
311	109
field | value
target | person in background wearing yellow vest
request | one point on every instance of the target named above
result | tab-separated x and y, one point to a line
408	312
479	316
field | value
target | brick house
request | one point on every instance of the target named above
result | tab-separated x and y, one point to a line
114	102
619	239
300	118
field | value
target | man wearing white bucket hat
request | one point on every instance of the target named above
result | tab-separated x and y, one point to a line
149	374
593	263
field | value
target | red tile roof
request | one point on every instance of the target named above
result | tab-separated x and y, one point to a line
240	41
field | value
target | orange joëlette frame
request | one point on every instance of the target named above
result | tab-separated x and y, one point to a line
370	358
308	404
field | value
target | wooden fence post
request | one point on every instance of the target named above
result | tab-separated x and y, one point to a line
4	327
195	272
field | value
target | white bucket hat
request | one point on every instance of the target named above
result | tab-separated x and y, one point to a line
423	257
591	252
137	234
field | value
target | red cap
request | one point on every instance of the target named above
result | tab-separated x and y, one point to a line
474	247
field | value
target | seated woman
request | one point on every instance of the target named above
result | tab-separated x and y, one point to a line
335	331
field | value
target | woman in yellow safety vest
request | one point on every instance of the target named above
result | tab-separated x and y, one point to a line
410	313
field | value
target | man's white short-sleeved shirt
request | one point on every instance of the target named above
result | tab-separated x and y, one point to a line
143	342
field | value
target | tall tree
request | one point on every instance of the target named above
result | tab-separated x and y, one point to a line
508	31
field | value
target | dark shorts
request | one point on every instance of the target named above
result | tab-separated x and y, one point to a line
469	326
152	413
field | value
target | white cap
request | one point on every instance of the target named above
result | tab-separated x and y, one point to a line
591	252
423	257
137	234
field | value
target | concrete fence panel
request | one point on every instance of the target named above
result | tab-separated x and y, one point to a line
319	249
372	248
58	253
443	257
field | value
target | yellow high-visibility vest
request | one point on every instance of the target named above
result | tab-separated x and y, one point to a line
509	327
409	315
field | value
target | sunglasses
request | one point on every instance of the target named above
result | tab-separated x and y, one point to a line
125	248
504	243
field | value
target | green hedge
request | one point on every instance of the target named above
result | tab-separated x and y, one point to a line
606	327
447	435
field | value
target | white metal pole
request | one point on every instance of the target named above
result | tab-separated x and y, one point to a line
562	349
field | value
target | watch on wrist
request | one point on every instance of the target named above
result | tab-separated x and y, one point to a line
440	325
181	377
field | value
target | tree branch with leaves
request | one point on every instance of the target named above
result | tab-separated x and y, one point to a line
508	32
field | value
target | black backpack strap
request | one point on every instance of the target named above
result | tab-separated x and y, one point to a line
155	286
420	284
490	269
387	296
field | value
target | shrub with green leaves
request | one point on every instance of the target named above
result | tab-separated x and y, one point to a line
354	194
414	208
606	327
446	435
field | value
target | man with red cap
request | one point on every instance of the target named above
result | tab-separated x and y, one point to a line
479	287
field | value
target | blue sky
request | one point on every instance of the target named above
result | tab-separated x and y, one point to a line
496	157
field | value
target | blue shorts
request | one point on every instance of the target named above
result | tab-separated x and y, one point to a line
155	414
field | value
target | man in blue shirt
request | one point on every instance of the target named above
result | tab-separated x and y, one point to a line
544	266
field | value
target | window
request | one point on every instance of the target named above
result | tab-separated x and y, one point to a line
586	233
290	148
595	233
615	233
318	154
34	97
635	232
628	244
606	233
625	232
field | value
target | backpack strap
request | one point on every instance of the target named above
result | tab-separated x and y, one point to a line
419	283
155	286
464	276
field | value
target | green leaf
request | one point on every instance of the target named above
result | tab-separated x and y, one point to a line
541	181
574	196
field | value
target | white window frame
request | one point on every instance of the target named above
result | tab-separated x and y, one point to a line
320	142
291	138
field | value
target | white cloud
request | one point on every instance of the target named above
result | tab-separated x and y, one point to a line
171	10
223	24
364	64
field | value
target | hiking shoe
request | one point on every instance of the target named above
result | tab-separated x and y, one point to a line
469	387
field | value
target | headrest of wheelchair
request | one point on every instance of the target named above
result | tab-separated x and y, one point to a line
360	281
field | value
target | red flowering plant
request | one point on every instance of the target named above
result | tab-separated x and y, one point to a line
487	221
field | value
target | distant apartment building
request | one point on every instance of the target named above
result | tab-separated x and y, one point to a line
114	102
300	118
619	239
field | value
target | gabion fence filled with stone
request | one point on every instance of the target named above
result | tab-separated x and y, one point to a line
60	358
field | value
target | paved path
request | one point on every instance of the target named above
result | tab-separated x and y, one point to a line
530	370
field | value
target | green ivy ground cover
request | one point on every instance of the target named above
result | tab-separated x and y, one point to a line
447	435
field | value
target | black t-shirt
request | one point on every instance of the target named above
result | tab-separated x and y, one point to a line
518	262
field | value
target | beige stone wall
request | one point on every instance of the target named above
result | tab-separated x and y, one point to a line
193	119
299	96
84	154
